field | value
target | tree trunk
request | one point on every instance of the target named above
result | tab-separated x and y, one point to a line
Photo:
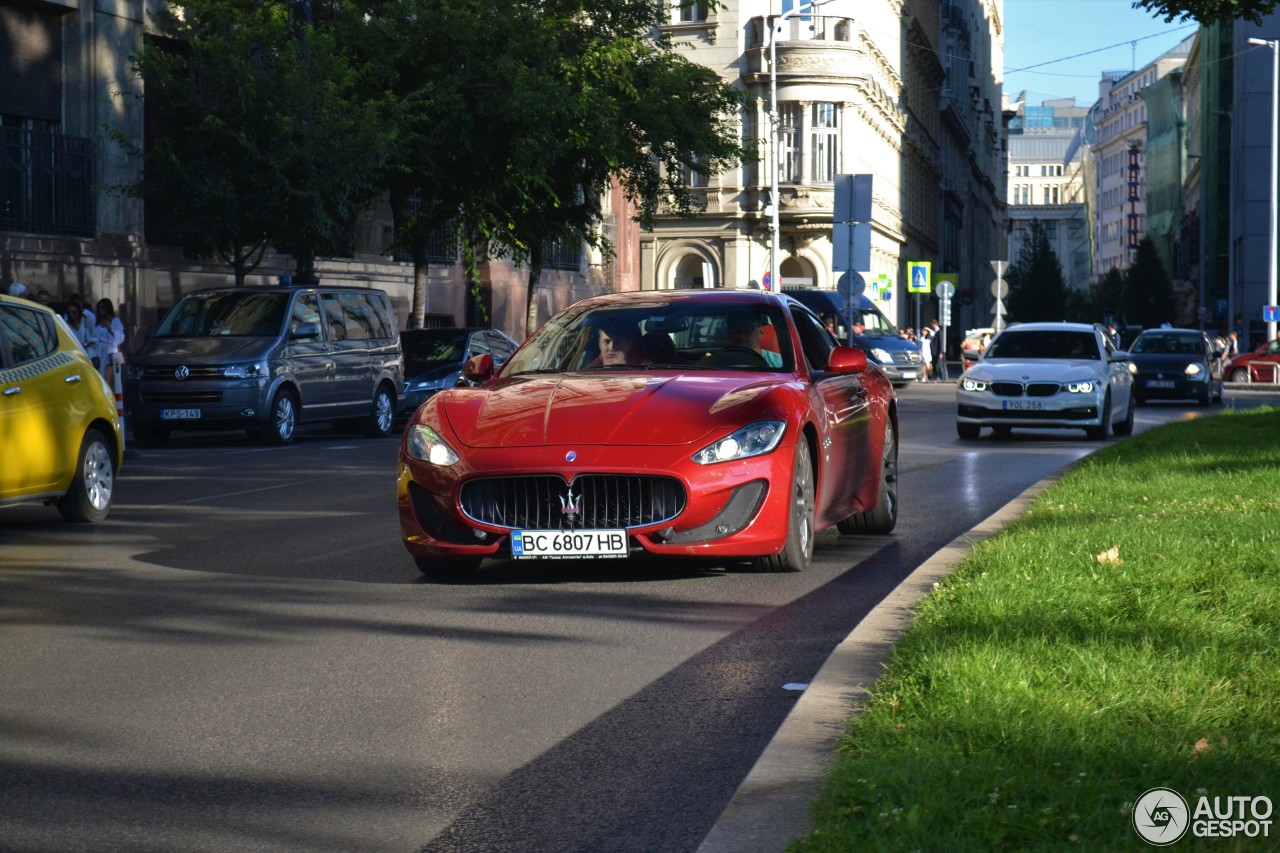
418	312
531	295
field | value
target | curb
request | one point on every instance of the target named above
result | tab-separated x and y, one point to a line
770	809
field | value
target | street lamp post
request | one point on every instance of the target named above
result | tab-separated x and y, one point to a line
1274	44
775	133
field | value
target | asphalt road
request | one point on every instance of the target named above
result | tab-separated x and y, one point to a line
245	658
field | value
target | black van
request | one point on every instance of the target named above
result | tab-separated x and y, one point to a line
898	357
266	359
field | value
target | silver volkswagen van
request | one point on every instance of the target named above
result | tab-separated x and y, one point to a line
266	359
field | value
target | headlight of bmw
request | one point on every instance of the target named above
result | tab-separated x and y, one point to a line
974	384
246	371
426	445
1080	387
751	440
881	356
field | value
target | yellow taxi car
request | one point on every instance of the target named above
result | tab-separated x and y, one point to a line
60	438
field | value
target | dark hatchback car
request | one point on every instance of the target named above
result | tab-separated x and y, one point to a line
433	359
1175	364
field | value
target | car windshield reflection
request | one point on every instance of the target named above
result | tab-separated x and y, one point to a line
1044	345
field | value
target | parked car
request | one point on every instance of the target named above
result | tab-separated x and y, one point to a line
1048	375
60	437
726	424
1260	365
266	359
434	358
1175	364
898	357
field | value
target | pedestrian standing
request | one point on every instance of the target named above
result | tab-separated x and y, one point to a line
1233	345
110	338
1114	334
18	290
84	333
937	351
926	352
86	312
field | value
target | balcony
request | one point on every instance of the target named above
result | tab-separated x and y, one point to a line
808	47
46	183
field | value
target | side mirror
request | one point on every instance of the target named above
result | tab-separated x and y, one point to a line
307	331
1120	355
479	368
846	360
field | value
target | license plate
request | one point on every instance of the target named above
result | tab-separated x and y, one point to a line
179	414
1024	405
909	374
1159	383
568	544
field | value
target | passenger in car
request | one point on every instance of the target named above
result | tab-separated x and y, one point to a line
619	343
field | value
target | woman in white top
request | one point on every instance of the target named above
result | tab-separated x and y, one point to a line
110	337
84	332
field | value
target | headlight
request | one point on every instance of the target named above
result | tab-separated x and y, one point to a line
133	371
751	440
1080	387
426	446
881	356
1133	368
246	371
1194	369
974	385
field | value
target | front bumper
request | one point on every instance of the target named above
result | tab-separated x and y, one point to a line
1170	386
732	509
220	404
1061	411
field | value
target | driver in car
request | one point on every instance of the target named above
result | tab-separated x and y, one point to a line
746	330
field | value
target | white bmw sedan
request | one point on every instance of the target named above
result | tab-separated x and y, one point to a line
1048	376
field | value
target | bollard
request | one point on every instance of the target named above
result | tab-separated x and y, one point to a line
117	370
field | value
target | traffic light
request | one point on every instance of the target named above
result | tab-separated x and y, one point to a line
966	296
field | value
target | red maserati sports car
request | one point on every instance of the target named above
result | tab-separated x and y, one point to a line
726	424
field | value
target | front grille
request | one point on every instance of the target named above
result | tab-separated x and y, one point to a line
1006	389
181	398
607	501
909	357
1043	389
194	372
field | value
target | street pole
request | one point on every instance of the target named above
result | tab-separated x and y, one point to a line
1274	44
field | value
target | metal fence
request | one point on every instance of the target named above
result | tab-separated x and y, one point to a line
46	183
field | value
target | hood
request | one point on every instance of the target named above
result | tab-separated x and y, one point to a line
1164	361
1035	370
440	375
211	350
630	409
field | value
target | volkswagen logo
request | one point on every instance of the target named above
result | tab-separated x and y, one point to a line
181	373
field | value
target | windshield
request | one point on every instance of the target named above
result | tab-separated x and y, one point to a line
223	313
685	335
430	348
1168	344
875	324
1035	345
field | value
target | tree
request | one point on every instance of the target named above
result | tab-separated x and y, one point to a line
1209	11
260	141
1107	296
1148	290
1037	287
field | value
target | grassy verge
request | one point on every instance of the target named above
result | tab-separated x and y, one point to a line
1050	681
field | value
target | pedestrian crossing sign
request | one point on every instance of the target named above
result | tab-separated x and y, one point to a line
918	273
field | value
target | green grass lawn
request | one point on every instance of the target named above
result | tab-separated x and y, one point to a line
1050	680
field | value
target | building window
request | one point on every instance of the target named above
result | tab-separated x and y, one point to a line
825	140
788	150
694	178
691	12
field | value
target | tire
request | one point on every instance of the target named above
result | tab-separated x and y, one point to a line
150	436
1140	400
448	568
1125	427
798	552
282	424
383	417
884	516
89	498
968	432
1206	398
1240	374
1100	432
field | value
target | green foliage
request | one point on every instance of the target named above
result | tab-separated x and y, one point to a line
1107	296
1148	290
1209	11
259	138
1120	636
1037	287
